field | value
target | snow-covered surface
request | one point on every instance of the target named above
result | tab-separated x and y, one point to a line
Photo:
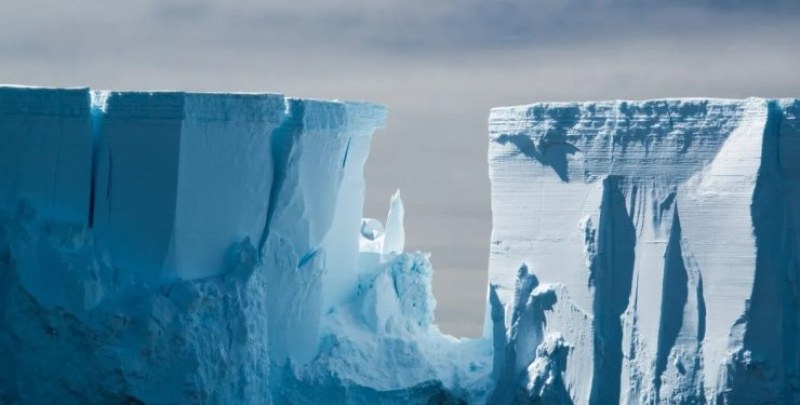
670	227
176	247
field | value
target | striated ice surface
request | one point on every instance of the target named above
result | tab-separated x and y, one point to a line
172	247
646	252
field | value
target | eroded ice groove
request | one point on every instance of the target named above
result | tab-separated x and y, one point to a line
670	227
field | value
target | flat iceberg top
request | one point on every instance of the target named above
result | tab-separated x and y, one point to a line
42	101
669	102
168	104
182	105
250	107
588	114
658	138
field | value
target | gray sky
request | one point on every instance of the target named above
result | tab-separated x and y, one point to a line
438	65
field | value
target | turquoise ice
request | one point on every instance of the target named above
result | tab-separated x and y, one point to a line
173	247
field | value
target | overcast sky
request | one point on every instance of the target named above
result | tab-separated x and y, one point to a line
439	65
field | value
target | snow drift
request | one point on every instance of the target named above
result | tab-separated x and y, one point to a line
175	247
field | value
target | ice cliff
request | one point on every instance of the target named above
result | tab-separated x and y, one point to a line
646	252
176	247
173	247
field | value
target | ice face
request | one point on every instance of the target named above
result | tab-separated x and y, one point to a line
175	247
46	161
175	240
180	178
667	224
314	217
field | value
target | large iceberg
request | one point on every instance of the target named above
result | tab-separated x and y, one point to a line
171	247
646	252
174	247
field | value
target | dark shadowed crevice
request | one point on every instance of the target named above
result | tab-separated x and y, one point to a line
701	309
498	331
307	257
346	153
612	278
282	140
674	295
663	207
96	122
548	152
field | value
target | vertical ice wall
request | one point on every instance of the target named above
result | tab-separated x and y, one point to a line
666	225
181	244
341	253
311	242
180	178
766	364
175	247
45	151
45	171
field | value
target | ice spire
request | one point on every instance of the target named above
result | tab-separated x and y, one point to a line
394	239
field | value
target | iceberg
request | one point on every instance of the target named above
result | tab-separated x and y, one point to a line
646	252
174	247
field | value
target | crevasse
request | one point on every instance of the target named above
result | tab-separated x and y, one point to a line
173	247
